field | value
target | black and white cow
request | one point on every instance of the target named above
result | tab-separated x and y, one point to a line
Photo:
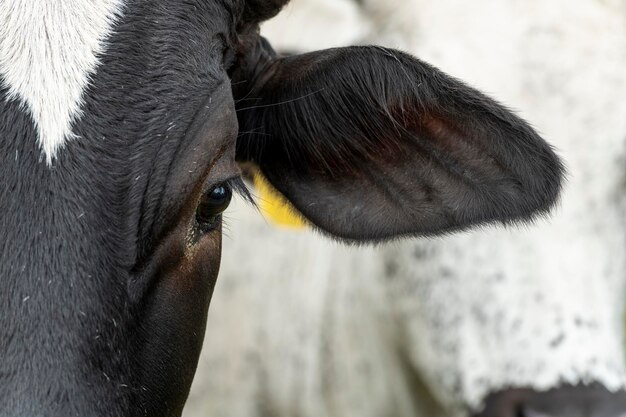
119	151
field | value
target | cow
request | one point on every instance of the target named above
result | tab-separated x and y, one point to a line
122	126
531	319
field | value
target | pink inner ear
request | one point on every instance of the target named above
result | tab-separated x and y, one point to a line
257	11
460	145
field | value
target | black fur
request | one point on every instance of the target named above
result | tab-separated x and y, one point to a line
106	276
96	244
259	10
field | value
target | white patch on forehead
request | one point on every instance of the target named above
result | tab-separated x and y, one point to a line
48	51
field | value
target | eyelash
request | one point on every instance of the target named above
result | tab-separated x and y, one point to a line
209	214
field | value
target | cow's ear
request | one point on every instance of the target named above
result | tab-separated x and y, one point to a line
370	143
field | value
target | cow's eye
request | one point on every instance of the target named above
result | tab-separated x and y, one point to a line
212	205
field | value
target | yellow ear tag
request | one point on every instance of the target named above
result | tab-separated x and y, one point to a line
275	206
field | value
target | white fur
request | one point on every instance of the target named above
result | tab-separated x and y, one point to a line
299	326
507	296
48	51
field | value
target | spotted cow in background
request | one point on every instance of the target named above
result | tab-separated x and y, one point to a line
440	328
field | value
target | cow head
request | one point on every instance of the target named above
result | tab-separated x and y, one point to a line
120	148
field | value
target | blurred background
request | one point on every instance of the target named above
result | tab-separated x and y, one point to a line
302	326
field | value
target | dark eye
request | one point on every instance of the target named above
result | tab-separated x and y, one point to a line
212	205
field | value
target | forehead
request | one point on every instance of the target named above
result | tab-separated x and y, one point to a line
49	70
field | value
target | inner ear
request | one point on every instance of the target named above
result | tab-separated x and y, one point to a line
256	11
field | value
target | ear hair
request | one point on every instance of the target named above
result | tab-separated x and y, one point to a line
382	99
369	142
